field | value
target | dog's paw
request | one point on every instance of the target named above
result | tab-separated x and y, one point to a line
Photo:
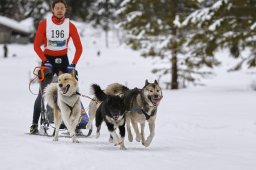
130	138
122	147
55	140
110	140
147	142
97	135
118	142
74	140
138	138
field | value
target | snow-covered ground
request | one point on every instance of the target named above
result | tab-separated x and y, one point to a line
198	128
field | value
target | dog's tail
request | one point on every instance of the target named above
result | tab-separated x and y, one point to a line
50	95
98	92
116	89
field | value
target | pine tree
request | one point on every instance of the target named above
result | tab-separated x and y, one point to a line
13	9
226	24
39	11
103	15
80	9
154	28
26	8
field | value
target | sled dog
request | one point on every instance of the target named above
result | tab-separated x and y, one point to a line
66	106
94	104
111	111
141	107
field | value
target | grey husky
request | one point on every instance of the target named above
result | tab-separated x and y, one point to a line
67	105
140	105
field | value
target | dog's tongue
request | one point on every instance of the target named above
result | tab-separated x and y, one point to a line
156	100
64	90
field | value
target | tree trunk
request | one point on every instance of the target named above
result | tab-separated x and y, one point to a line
106	38
107	22
174	66
174	72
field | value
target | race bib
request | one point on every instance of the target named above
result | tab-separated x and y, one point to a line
57	35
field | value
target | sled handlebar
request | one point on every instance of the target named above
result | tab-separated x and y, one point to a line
41	69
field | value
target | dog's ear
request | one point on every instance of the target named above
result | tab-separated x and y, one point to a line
60	72
155	82
146	82
73	73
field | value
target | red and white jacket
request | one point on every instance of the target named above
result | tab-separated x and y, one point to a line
54	33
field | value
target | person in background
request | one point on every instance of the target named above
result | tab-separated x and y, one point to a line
54	32
5	51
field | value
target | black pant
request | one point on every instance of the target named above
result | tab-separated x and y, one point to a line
59	64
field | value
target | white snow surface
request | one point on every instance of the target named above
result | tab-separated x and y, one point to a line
199	128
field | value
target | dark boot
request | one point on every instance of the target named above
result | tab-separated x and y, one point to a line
34	129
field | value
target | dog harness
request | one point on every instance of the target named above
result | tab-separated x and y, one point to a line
71	107
77	93
141	111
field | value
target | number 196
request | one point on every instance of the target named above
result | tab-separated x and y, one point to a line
57	33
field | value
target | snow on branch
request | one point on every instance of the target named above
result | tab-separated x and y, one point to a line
253	26
215	24
205	14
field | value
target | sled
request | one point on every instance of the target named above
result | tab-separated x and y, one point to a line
47	124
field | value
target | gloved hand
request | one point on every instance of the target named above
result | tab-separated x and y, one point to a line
47	64
71	67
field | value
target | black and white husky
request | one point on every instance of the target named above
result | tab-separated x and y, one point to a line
67	105
110	110
141	107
